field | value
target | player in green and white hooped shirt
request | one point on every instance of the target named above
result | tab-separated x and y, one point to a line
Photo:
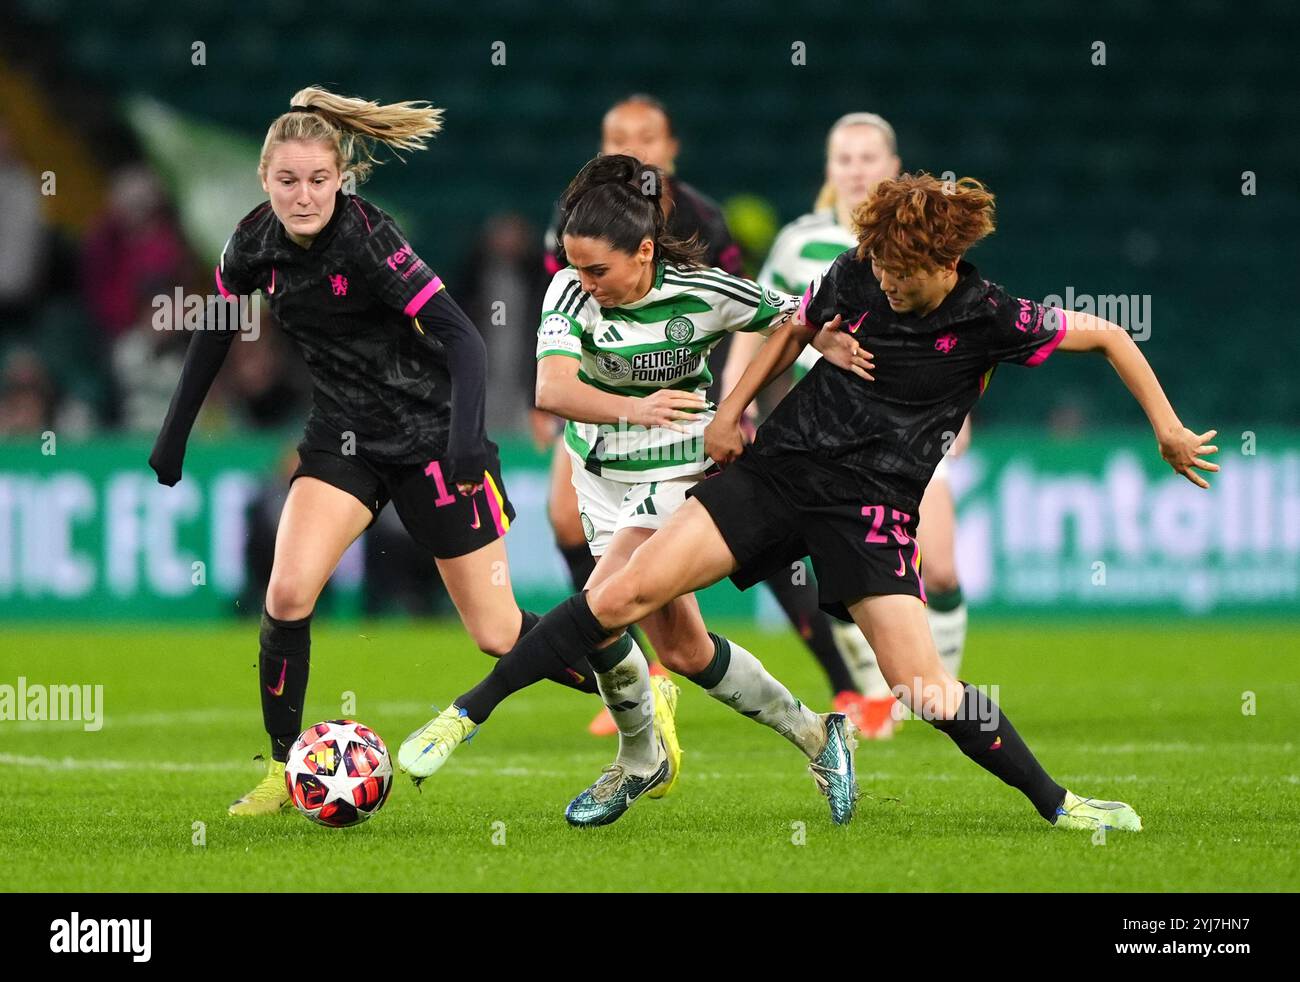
641	126
623	346
862	151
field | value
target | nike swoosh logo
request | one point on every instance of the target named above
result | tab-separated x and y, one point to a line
279	689
902	566
476	523
652	781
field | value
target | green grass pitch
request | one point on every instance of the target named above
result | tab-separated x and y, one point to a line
1151	715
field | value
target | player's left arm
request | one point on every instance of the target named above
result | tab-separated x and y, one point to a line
1181	448
468	453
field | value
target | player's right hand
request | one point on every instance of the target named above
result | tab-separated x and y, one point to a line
724	440
666	408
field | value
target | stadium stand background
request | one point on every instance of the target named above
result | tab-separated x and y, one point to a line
1117	179
1142	200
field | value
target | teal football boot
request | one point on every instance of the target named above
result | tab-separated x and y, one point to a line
614	792
833	768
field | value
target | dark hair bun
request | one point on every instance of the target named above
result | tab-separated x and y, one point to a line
617	198
618	169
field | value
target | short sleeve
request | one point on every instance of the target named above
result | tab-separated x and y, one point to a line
398	276
560	331
822	300
1024	331
742	305
773	306
233	274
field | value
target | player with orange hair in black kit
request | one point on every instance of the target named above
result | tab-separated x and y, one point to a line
836	472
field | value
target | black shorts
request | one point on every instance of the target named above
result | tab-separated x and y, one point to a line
437	516
858	550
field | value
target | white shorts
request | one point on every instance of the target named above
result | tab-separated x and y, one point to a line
605	506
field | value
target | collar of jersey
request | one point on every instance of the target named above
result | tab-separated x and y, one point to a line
323	237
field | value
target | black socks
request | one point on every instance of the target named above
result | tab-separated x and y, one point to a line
581	565
986	736
562	640
284	663
581	678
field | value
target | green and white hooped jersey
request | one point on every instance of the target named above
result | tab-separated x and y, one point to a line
803	250
661	341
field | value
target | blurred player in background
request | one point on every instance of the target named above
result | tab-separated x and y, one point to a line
640	126
398	376
862	151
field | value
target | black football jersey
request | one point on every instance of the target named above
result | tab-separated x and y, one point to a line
842	439
351	303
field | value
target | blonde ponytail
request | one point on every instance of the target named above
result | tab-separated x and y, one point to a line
352	127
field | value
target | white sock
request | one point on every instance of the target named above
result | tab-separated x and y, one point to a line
626	691
857	654
747	687
949	630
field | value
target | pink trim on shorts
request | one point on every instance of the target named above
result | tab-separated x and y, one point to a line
494	503
916	565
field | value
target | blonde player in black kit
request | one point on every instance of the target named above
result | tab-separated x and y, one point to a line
398	373
839	467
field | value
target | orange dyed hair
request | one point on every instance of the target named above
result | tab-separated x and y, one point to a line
916	222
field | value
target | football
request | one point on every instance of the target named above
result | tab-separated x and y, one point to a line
338	773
